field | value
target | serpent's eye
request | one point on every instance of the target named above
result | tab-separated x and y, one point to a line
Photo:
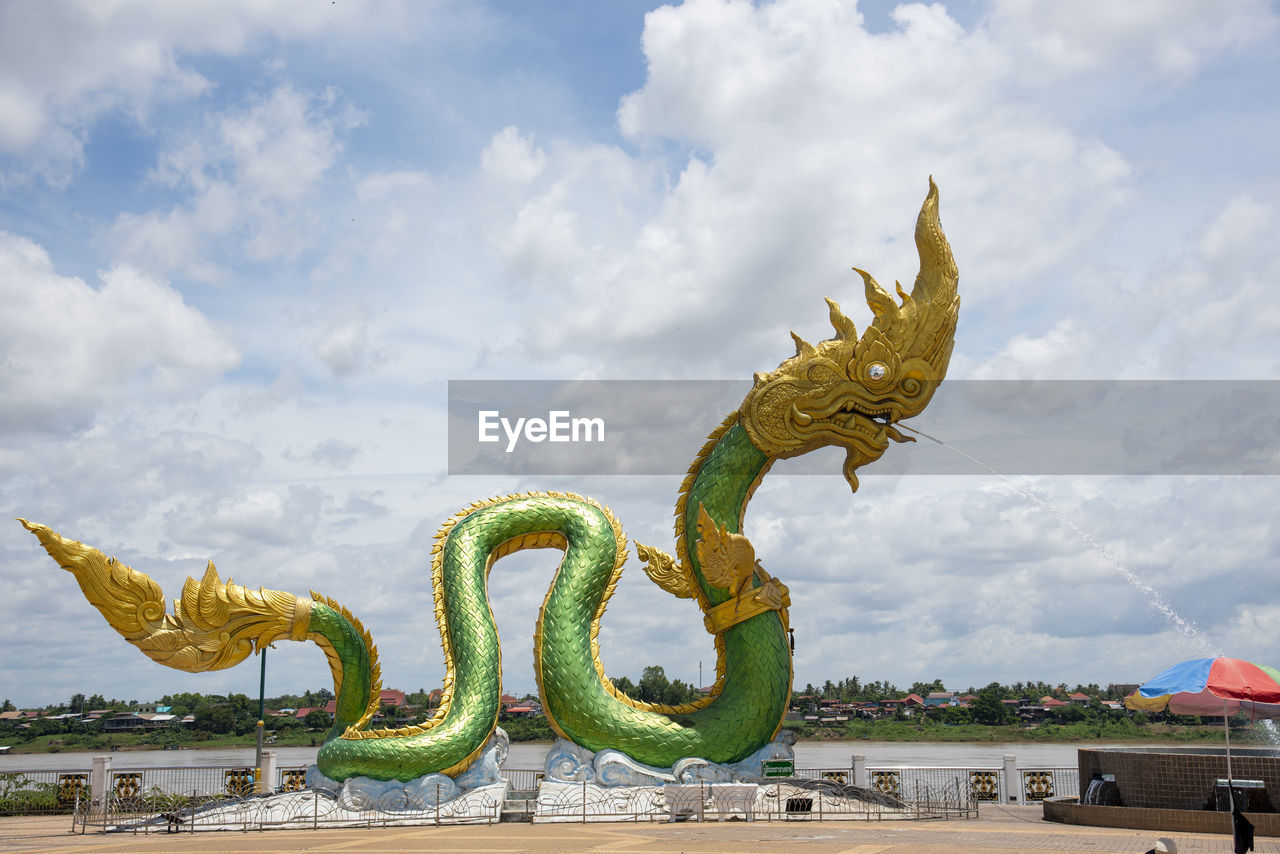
876	372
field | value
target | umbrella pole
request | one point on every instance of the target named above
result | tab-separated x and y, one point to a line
1226	729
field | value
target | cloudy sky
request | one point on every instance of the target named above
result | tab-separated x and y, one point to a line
244	246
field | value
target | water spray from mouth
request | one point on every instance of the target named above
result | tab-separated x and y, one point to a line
1181	623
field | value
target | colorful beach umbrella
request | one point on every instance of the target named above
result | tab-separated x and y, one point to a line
1211	686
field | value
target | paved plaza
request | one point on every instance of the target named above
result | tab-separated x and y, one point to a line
998	829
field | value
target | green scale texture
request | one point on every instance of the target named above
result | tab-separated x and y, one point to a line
741	720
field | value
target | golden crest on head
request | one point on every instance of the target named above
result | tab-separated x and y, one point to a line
850	391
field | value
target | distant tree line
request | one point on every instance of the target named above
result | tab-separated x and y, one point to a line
853	690
238	713
654	687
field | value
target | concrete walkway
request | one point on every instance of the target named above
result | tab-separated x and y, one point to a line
998	829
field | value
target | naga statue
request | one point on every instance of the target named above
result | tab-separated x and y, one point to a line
847	391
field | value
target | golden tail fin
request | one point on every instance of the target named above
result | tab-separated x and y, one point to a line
215	625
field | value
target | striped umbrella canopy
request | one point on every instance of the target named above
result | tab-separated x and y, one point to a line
1211	686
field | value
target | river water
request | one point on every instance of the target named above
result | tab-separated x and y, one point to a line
810	754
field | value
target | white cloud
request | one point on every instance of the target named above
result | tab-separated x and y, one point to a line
345	348
811	141
66	63
542	243
258	518
1205	312
380	186
281	144
1163	37
512	158
68	349
246	171
121	481
334	453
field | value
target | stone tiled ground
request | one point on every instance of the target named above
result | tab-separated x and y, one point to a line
999	829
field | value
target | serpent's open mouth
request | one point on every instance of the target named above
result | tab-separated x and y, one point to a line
848	418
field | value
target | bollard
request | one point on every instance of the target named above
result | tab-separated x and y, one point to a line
100	783
268	769
1011	784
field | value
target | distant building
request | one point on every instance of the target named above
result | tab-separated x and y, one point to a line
907	704
158	721
940	698
64	717
123	722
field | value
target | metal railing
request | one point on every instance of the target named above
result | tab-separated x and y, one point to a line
584	802
523	779
1041	783
187	793
40	792
788	799
986	784
825	799
155	810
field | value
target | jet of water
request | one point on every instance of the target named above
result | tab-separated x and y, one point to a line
1181	623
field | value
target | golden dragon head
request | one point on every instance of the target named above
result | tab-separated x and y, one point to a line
850	391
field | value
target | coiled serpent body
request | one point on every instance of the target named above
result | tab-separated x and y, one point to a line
580	702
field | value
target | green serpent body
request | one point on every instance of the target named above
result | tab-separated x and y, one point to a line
744	716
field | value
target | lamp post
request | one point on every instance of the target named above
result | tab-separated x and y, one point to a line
262	698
